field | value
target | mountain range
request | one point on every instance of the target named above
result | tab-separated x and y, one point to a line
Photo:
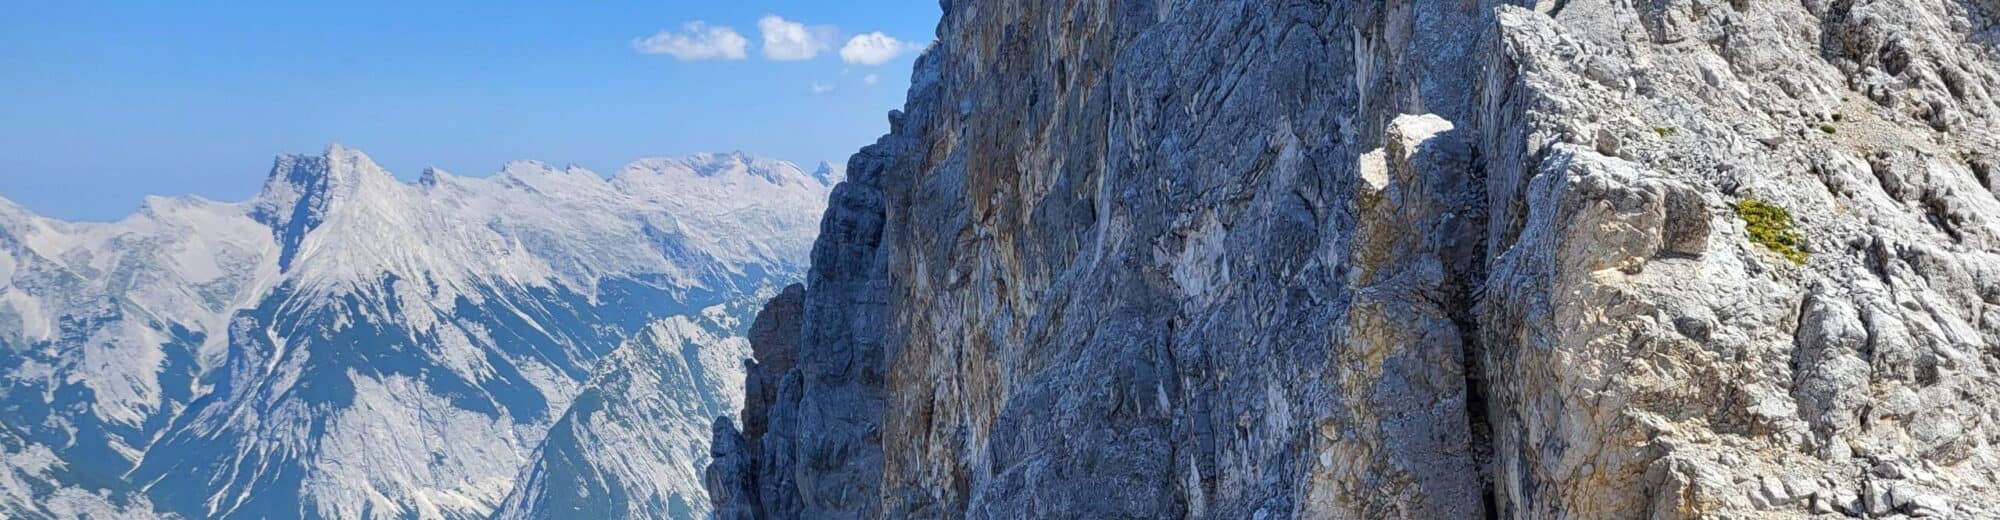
347	345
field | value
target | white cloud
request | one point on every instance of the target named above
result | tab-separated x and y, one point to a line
821	88
874	49
695	41
786	40
871	79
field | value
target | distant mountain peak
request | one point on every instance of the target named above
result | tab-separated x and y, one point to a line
11	216
712	164
432	175
337	171
10	210
162	206
829	173
524	167
714	167
303	189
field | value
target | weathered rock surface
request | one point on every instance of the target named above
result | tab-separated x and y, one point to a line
1399	259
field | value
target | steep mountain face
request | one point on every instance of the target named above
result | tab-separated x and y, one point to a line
1398	259
349	346
634	442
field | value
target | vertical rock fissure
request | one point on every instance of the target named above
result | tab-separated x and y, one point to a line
1479	424
1465	290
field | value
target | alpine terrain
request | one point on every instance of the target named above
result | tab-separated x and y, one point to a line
348	346
1451	259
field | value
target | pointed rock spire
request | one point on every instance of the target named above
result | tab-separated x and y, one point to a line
302	190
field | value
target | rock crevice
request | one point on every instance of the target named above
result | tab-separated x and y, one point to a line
1402	260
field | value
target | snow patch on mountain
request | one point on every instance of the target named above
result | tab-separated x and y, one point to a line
403	451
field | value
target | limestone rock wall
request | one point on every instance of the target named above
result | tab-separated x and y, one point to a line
1403	259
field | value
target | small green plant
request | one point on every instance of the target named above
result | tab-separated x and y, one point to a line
1827	128
1666	131
1837	117
1772	227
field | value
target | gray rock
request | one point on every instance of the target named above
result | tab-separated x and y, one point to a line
1879	498
1923	505
1176	259
728	477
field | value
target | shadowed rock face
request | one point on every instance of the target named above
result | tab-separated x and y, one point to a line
1404	260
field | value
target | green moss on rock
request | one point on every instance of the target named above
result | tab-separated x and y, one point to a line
1772	227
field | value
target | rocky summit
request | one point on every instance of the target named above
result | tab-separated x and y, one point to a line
1403	259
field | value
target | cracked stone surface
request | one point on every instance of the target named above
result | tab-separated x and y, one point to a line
1401	259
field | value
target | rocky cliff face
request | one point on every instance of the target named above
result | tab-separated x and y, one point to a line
1554	259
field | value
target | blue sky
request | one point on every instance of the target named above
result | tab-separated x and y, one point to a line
103	103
